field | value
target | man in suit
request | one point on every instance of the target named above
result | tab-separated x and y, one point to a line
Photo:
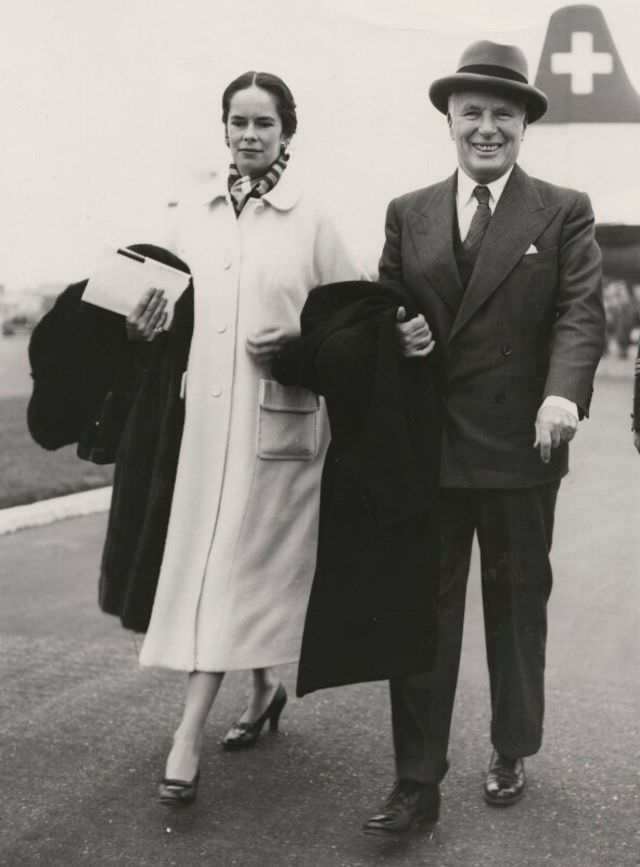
507	275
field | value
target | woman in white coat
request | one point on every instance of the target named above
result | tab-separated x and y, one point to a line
241	543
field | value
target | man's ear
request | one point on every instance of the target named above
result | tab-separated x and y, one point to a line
450	123
524	126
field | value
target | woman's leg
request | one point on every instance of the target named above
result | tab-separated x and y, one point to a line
265	684
267	700
183	760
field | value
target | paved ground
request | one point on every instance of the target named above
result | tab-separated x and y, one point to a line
84	732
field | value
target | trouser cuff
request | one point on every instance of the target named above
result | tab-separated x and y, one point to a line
511	749
431	771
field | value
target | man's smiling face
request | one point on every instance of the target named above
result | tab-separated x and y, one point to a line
487	130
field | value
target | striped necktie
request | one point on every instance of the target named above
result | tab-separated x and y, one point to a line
472	243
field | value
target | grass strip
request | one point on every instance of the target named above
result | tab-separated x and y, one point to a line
29	472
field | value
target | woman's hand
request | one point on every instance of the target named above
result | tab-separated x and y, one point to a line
265	345
414	336
149	316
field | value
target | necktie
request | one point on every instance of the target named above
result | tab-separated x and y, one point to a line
478	227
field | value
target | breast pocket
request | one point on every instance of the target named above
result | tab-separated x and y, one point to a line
542	259
533	285
287	422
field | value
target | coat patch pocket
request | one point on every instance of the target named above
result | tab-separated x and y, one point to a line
287	422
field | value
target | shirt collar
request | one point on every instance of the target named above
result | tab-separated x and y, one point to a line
282	197
466	186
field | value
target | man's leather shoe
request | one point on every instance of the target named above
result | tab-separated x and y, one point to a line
410	803
505	780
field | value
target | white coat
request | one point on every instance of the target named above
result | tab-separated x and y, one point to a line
241	542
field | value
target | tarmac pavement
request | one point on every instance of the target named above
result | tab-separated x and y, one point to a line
85	731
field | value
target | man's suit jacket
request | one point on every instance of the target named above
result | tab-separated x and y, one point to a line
528	324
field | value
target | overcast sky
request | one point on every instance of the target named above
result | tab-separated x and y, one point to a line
111	107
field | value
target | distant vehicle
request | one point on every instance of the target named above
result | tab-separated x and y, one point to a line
20	323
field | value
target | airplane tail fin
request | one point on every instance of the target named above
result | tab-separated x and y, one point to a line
581	71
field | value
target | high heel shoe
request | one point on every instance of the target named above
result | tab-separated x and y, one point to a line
245	734
179	793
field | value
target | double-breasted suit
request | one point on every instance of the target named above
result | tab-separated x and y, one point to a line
528	324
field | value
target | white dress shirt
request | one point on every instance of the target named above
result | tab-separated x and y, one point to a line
466	204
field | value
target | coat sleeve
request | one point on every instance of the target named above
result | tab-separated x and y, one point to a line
334	261
390	265
577	335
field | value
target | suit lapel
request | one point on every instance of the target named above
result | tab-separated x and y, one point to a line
518	220
431	231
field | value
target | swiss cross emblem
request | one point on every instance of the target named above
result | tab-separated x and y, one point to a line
582	63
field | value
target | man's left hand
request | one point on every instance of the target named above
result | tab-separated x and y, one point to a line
554	426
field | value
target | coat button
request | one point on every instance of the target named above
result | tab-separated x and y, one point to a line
506	349
221	327
500	397
216	391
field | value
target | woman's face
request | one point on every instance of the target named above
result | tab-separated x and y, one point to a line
254	130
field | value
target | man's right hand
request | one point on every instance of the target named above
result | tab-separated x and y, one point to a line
414	336
148	317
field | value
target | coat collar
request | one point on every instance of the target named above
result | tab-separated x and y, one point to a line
287	191
282	197
432	229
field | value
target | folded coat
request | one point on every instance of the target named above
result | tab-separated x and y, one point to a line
83	374
372	610
119	401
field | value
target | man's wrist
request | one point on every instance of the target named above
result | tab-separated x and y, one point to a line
561	403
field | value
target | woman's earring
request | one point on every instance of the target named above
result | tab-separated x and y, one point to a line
284	144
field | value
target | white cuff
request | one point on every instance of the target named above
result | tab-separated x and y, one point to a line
562	403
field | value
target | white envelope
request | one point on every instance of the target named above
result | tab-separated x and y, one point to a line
532	249
121	277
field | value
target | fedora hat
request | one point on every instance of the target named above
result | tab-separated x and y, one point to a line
489	66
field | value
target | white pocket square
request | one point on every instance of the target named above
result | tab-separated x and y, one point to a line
532	249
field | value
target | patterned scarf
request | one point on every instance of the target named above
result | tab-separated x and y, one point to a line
245	187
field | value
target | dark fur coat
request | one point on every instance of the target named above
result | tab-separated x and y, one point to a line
119	401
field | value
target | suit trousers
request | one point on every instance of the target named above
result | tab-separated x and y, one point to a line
514	528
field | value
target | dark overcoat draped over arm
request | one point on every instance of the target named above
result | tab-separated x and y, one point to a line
78	353
372	607
119	401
